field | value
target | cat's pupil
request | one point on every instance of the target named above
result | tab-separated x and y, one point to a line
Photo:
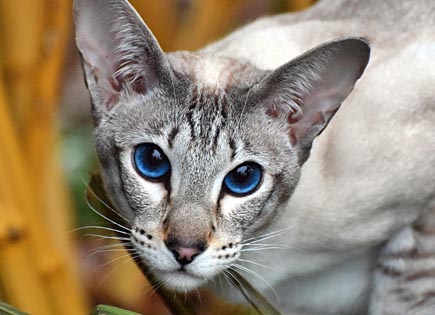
243	173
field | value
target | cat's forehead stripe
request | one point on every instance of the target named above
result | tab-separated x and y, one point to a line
204	117
171	136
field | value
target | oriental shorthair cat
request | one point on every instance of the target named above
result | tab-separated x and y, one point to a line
298	150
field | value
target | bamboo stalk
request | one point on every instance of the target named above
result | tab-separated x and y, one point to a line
161	17
39	190
206	21
47	169
20	24
22	283
297	5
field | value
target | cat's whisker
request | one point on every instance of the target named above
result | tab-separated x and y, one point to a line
262	239
102	237
108	250
102	249
105	217
262	248
258	245
266	246
257	264
277	232
234	280
229	283
198	295
237	283
102	201
155	287
110	246
130	258
243	268
118	258
100	228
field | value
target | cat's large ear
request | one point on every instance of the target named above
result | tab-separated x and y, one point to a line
310	89
119	52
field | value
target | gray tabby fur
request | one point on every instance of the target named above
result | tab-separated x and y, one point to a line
364	195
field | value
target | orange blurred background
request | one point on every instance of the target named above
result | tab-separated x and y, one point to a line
46	152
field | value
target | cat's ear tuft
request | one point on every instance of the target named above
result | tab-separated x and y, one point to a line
310	89
119	52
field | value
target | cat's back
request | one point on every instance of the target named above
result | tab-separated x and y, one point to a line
388	25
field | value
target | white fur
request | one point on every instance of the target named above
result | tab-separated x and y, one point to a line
370	173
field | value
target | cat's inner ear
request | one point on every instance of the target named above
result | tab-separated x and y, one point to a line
120	54
310	89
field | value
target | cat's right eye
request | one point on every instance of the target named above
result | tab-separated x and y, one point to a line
150	162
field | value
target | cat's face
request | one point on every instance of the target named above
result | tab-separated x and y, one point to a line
194	177
200	152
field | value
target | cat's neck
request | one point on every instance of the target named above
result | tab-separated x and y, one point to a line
337	282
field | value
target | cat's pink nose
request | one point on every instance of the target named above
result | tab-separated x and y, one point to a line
184	255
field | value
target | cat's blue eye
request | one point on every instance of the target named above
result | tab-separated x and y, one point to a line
244	179
151	162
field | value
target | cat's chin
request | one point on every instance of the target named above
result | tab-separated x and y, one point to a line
181	280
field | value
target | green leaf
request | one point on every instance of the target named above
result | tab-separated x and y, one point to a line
6	309
111	310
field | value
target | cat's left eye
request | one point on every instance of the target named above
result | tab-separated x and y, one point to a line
150	162
244	179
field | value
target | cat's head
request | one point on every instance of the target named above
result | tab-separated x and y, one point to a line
199	152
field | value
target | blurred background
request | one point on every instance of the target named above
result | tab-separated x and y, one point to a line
47	266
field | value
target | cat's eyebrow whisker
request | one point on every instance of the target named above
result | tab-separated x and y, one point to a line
102	201
106	218
246	100
100	228
243	268
243	108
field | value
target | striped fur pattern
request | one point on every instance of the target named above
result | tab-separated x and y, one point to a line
404	281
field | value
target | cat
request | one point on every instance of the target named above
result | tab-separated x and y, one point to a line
304	143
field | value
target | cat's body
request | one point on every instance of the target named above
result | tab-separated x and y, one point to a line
372	171
370	174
